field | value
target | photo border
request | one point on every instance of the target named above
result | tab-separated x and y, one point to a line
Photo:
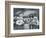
7	19
29	7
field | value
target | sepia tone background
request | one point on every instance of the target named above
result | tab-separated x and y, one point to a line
2	19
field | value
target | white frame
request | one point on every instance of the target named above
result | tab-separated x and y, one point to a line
25	31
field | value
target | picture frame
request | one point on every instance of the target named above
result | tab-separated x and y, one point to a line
25	7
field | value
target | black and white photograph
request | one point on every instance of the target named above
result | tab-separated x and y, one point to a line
25	18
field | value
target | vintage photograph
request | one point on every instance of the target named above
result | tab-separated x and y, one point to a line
25	18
